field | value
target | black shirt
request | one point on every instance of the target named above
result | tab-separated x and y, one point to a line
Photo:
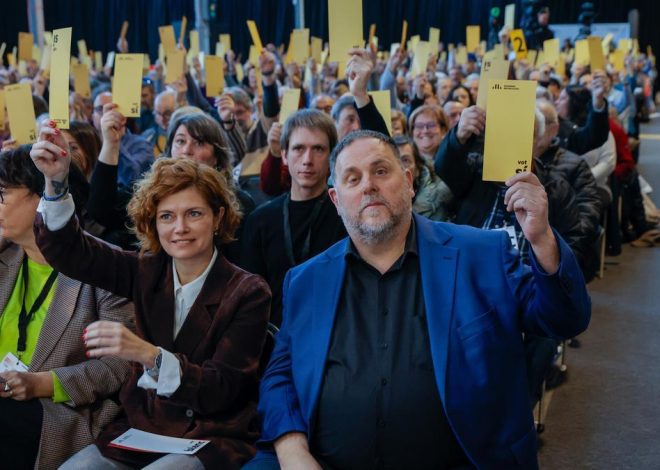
263	248
379	405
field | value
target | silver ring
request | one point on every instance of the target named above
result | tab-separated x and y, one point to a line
7	388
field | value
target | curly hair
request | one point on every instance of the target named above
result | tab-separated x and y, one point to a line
169	176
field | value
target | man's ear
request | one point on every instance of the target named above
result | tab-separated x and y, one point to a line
332	192
284	160
409	179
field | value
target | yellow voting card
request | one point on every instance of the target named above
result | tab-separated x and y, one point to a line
316	48
421	58
253	56
175	60
404	33
491	69
36	53
194	42
473	37
290	101
21	113
625	44
60	52
518	43
617	59
461	55
510	15
551	51
11	58
82	49
240	75
25	43
434	40
48	38
81	80
383	104
582	52
259	81
219	49
225	39
345	28
110	60
596	59
127	84
372	33
509	128
167	38
182	32
3	118
498	50
299	47
531	56
215	77
98	61
413	41
254	33
607	40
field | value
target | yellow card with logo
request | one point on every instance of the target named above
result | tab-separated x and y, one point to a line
491	69
18	98
127	84
290	101
345	29
518	43
509	128
215	77
60	52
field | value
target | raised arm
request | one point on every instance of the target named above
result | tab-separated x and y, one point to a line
59	236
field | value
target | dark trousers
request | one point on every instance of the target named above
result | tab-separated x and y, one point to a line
539	354
20	433
632	208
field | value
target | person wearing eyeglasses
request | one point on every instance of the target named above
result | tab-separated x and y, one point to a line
164	106
428	126
62	402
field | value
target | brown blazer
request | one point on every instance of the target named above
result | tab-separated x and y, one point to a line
69	427
219	344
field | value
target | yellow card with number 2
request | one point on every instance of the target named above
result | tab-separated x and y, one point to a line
509	128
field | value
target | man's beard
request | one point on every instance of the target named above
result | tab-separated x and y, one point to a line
371	234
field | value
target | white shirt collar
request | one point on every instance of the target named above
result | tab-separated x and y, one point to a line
191	290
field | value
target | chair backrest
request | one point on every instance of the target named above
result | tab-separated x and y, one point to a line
269	345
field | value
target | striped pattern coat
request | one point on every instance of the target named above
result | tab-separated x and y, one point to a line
91	383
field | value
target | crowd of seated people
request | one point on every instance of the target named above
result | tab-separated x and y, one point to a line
164	255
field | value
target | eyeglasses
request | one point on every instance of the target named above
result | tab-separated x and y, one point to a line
429	126
98	109
165	115
2	194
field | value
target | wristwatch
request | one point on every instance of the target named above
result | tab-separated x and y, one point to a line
155	370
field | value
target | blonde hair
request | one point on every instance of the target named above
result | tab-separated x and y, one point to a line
169	176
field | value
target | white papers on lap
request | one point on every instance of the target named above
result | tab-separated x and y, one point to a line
142	441
10	363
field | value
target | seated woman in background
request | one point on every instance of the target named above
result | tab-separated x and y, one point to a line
60	405
84	145
201	320
433	198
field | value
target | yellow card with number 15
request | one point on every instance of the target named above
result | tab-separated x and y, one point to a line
60	62
127	84
509	128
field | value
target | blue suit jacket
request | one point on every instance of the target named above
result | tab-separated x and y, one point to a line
479	298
